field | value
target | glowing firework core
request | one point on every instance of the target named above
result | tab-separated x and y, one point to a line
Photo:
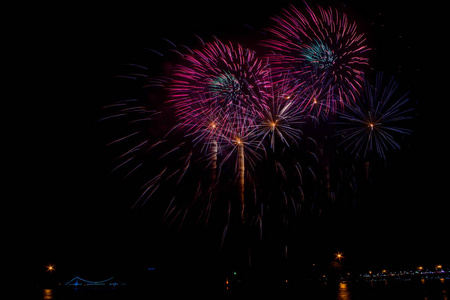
319	55
226	85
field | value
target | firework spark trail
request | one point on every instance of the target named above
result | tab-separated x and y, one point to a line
315	97
278	122
241	141
208	86
215	92
241	172
368	123
280	114
323	46
133	113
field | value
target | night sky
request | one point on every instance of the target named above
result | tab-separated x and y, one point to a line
73	213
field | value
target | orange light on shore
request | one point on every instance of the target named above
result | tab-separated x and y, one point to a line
50	268
339	256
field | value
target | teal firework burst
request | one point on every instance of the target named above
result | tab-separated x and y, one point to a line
319	55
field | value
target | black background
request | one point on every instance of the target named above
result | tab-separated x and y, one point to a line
73	213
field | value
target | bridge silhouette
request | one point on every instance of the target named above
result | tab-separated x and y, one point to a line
78	281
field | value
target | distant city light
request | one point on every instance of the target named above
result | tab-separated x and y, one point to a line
421	273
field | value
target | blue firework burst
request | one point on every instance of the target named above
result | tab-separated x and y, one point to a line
370	124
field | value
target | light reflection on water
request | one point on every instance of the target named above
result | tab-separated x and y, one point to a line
47	294
343	292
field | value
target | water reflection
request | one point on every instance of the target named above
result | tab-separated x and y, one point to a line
430	290
343	292
47	294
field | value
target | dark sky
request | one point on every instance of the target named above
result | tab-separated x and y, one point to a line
79	216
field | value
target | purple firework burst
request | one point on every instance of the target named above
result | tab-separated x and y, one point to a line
323	45
214	83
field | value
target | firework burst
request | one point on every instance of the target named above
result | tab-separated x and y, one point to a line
280	115
369	124
214	79
323	45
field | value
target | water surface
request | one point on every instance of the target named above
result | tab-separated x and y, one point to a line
433	290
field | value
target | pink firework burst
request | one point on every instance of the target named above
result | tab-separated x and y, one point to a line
212	82
323	46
